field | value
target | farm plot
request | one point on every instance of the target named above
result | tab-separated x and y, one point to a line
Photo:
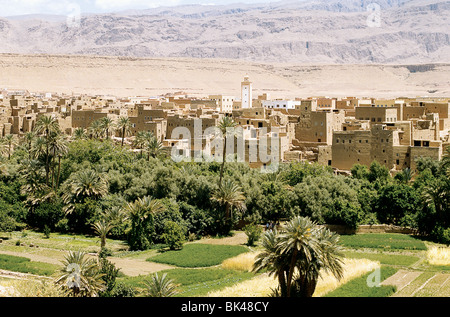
420	284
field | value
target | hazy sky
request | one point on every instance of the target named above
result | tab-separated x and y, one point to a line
64	7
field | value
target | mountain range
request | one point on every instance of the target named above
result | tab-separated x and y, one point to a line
300	32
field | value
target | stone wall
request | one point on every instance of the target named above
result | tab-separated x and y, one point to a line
340	229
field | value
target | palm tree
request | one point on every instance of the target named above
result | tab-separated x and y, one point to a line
124	125
28	139
106	124
160	286
102	228
81	276
79	134
229	195
9	144
47	125
146	140
34	187
84	184
405	176
225	125
154	147
437	196
271	260
298	255
445	164
139	141
38	148
96	129
59	148
141	214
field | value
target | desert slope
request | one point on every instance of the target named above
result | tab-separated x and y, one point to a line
122	77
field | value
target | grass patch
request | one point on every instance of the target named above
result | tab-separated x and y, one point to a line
383	258
199	255
194	282
59	241
385	241
358	287
25	265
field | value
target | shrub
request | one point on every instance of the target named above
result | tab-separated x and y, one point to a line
253	233
123	290
174	235
110	273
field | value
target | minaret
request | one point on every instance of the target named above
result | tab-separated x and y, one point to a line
246	93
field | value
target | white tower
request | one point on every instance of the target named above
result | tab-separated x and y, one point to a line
246	93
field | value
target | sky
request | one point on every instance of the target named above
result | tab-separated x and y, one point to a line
65	7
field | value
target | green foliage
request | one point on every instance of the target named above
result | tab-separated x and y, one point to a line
398	204
296	172
329	199
385	241
359	287
141	214
174	235
160	286
383	257
25	265
253	232
109	274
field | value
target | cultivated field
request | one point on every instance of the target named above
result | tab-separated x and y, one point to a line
222	267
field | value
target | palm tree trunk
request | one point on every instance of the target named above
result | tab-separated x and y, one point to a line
291	272
223	160
123	134
47	168
59	171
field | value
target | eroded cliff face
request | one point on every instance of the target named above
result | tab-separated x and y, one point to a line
396	31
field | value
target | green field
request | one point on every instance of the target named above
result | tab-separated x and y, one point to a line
199	255
197	269
384	241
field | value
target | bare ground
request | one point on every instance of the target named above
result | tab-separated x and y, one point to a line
129	266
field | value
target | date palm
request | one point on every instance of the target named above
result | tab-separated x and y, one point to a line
229	195
225	124
79	134
102	228
47	125
160	286
80	275
298	255
124	126
106	124
58	148
28	139
84	184
8	142
96	129
141	213
445	164
154	147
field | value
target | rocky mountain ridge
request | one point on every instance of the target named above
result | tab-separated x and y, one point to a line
318	31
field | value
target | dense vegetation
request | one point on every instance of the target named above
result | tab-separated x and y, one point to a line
89	184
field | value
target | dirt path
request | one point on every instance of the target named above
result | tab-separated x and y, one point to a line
134	266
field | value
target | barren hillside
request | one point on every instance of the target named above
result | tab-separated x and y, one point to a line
313	31
122	76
